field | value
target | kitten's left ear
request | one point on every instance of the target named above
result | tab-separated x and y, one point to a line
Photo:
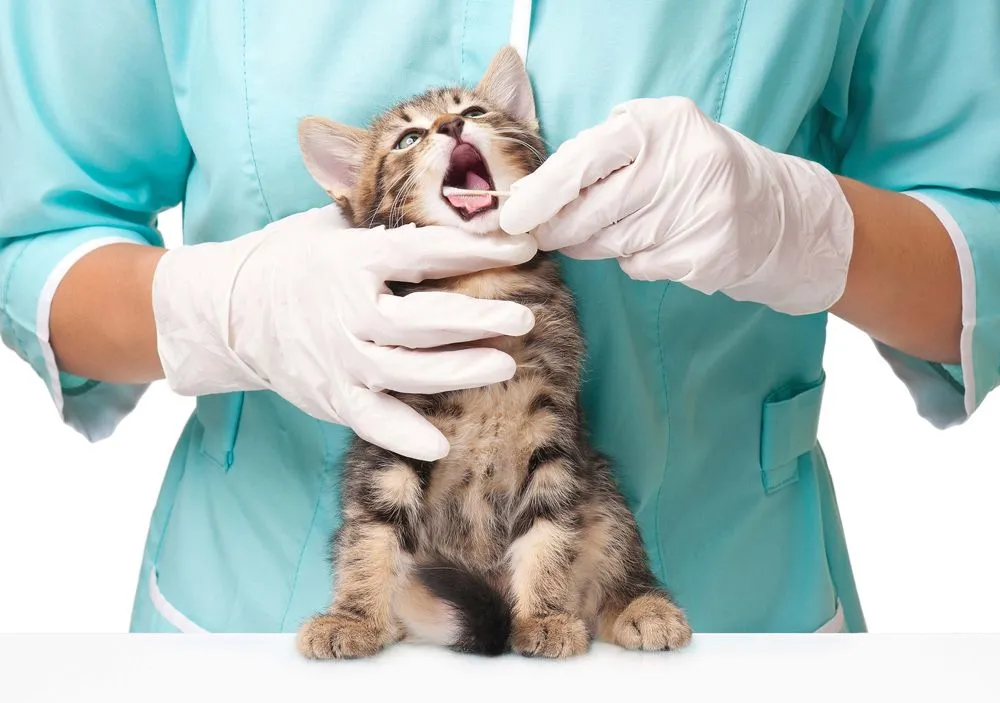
506	84
332	154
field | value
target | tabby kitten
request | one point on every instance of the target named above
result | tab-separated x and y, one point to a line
519	538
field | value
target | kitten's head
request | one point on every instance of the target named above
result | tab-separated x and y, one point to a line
393	172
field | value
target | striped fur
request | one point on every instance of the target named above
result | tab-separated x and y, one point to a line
518	539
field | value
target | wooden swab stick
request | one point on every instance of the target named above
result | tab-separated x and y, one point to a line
463	192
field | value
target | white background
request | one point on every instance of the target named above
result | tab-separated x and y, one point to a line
919	505
247	668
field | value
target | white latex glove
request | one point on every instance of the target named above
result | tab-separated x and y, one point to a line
301	308
675	196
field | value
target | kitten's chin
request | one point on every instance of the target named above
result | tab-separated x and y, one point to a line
436	212
486	223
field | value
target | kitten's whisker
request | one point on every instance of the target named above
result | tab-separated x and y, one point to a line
518	132
370	221
411	182
522	143
388	191
407	178
404	192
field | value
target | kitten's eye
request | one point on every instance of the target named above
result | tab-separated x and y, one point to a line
408	139
474	112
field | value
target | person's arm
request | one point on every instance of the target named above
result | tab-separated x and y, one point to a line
903	288
101	324
93	149
914	107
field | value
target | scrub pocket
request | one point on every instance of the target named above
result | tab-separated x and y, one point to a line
789	431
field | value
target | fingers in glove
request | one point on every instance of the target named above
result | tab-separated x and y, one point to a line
428	319
600	211
594	249
659	265
589	157
433	371
414	254
391	424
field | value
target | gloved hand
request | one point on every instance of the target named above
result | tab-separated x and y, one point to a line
301	308
673	195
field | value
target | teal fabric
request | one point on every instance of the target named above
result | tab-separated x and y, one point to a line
113	110
789	428
924	119
979	217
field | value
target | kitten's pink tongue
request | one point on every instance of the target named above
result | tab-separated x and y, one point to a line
472	203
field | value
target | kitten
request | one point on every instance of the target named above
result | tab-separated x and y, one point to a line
519	538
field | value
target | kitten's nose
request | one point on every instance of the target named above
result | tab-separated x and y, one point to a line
452	126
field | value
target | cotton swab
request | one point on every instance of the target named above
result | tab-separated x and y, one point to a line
462	192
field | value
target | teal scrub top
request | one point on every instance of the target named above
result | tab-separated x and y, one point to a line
114	110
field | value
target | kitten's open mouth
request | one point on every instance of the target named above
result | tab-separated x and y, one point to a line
467	170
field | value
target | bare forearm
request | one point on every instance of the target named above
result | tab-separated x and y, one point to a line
903	286
101	324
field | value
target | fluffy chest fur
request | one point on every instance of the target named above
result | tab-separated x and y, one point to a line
498	434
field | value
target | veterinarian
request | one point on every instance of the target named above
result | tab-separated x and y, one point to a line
753	168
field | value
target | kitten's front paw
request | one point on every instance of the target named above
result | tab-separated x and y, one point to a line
652	623
337	636
556	636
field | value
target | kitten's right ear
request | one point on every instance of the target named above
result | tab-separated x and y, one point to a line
332	153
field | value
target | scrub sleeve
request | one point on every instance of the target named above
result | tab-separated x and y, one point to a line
92	150
926	83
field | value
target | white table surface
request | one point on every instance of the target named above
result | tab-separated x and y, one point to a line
223	668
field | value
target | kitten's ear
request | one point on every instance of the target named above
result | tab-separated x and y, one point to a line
506	84
332	153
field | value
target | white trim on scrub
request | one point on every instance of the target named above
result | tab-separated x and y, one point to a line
44	309
836	624
166	609
968	274
520	27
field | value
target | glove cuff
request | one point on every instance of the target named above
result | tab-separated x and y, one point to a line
192	290
806	271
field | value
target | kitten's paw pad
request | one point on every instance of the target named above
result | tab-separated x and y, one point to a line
555	636
336	636
652	623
